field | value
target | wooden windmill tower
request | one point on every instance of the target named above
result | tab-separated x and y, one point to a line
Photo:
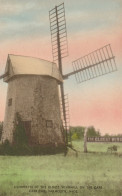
95	64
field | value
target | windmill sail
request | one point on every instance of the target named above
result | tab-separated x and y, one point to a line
58	32
67	124
96	63
59	47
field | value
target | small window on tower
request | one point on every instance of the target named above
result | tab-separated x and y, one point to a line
49	123
10	102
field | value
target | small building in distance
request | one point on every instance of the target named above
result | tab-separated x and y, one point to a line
33	93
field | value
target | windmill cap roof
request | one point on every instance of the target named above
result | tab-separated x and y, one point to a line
25	65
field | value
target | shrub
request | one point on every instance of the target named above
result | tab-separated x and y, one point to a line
74	136
5	148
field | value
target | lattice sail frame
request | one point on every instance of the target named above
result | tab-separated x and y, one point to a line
59	47
66	124
58	31
96	63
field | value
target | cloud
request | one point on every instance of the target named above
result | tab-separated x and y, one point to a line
30	18
14	7
19	19
23	31
84	20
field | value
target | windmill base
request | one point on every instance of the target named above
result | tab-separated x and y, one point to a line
20	150
49	149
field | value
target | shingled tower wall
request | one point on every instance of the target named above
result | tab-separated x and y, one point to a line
36	99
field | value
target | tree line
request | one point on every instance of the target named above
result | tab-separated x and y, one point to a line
77	133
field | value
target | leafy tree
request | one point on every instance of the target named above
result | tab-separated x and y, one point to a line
92	132
78	132
106	135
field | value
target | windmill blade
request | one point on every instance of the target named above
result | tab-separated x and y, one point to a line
67	124
59	46
95	64
58	32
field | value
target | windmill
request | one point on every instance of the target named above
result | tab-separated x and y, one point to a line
92	65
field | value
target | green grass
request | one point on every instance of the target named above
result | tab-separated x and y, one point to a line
97	147
97	168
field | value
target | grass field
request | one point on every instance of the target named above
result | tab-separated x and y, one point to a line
92	174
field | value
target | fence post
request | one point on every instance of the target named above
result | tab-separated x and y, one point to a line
85	140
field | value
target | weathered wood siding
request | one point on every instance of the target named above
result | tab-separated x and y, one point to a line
36	98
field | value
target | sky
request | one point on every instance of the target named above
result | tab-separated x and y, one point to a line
25	30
